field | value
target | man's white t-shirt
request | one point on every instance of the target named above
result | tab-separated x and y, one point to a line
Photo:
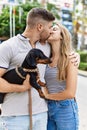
12	53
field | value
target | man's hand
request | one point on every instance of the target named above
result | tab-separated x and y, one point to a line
75	58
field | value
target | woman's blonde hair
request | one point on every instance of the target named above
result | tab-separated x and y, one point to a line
65	49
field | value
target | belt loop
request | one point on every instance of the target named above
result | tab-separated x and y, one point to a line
74	99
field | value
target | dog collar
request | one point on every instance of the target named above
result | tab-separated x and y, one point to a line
26	70
31	70
18	73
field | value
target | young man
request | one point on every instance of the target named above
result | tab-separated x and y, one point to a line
15	108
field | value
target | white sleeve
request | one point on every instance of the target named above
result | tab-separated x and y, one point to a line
5	55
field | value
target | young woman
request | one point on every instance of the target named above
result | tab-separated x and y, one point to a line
61	80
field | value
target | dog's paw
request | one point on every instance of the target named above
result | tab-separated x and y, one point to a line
42	84
41	93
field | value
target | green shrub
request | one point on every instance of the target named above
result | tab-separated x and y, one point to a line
5	19
83	60
19	27
4	22
83	56
83	66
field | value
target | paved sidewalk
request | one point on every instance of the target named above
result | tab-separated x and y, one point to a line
82	73
82	107
81	97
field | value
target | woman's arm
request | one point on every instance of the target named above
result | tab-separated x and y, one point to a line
6	87
71	85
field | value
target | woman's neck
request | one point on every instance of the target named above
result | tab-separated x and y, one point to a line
55	54
55	49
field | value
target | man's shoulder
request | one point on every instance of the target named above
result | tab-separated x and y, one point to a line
11	44
9	41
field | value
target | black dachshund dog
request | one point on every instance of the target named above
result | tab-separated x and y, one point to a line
29	66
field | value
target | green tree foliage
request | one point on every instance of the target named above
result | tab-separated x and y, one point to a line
19	26
5	18
83	60
4	22
52	8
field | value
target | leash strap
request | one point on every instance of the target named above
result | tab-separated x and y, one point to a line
30	108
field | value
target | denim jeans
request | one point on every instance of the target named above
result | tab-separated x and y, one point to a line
22	122
62	115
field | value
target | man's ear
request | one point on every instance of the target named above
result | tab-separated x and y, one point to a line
39	27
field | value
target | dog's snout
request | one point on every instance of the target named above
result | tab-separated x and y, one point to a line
44	61
50	61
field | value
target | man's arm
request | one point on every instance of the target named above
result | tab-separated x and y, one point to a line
6	87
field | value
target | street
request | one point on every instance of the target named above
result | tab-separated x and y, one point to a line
82	101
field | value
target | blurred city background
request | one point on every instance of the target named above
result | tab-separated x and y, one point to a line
72	14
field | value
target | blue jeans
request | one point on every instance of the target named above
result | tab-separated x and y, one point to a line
62	115
22	122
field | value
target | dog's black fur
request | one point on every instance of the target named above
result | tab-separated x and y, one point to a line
34	57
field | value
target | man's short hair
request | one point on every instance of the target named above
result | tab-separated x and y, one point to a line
37	14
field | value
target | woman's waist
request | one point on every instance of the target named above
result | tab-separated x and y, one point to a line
54	89
72	100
